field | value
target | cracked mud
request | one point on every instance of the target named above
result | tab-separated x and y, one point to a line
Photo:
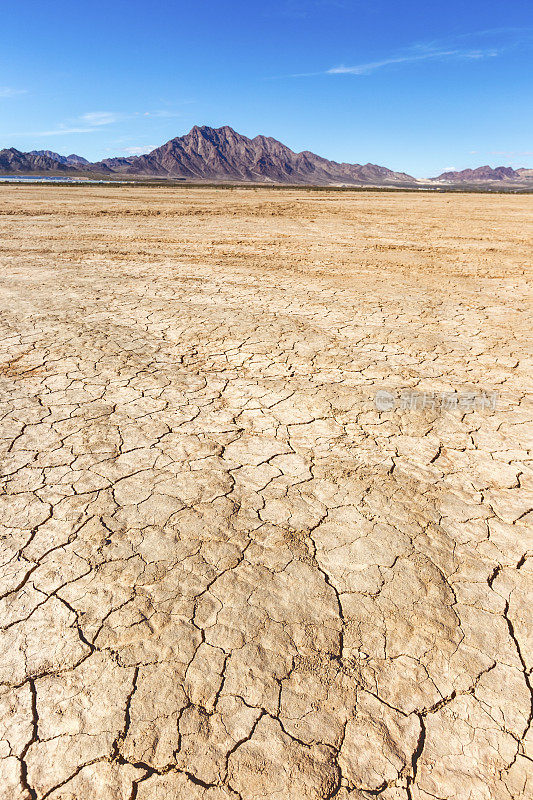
225	572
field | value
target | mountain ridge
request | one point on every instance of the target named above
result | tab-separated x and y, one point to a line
71	159
482	174
222	154
13	161
213	154
207	153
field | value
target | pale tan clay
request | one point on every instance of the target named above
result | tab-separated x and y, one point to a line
227	573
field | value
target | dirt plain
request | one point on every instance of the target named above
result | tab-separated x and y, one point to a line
267	492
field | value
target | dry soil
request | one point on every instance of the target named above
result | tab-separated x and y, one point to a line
266	502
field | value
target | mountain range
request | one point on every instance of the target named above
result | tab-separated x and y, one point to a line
222	154
210	154
72	159
43	162
484	174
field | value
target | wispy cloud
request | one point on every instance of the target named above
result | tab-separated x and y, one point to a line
473	46
96	118
140	150
90	122
9	91
61	132
413	56
511	153
96	121
159	113
301	9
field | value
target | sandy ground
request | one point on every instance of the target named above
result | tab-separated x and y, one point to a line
267	495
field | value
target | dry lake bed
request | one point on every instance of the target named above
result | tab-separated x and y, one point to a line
267	492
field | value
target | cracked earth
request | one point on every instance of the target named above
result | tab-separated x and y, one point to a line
225	573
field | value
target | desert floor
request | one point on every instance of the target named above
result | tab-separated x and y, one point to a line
267	495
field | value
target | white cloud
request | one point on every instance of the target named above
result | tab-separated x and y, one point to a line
62	132
97	118
140	150
510	153
159	113
9	91
411	57
95	121
100	117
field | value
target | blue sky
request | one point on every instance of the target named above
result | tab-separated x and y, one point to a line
416	86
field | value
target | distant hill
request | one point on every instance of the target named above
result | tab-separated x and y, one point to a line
213	154
482	174
223	154
72	159
14	162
